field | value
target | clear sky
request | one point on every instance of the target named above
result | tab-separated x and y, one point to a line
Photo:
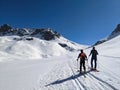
82	21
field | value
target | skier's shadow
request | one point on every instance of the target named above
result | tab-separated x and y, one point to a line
66	79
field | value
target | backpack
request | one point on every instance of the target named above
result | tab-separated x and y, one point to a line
94	52
82	56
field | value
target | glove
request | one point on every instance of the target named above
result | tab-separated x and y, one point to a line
77	59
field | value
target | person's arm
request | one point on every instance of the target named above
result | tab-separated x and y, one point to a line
78	57
96	52
90	52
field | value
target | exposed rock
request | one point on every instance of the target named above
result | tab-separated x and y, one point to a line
115	33
43	33
66	47
99	42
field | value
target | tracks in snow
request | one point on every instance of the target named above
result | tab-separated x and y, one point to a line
91	82
59	78
64	77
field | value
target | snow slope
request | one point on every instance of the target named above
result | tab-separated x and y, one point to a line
58	71
11	49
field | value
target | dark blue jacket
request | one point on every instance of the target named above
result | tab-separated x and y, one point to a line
94	53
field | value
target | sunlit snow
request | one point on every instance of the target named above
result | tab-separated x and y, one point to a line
45	65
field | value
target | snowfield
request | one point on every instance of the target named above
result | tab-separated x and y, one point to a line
44	65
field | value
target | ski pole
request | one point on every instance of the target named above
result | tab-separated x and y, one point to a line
88	63
77	65
88	57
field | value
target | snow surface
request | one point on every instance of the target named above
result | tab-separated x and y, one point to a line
11	49
45	65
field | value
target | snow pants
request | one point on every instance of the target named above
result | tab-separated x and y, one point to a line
82	64
95	62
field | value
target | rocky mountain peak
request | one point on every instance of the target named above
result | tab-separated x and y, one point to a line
5	27
42	33
115	33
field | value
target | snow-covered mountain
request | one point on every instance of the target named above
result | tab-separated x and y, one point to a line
114	33
40	64
18	43
42	33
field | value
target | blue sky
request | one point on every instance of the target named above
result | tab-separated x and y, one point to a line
82	21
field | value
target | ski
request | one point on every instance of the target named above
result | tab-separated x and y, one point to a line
82	73
95	70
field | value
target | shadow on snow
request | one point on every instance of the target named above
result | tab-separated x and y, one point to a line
75	76
67	79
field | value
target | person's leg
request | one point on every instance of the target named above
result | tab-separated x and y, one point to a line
92	63
84	66
80	66
95	60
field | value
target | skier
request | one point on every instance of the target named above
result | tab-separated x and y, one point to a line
82	57
94	54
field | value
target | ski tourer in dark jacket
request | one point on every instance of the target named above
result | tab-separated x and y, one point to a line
94	54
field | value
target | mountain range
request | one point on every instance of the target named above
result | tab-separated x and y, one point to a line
44	33
113	34
41	41
42	59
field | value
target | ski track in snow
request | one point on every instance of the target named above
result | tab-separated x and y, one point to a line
64	76
109	72
93	82
57	79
